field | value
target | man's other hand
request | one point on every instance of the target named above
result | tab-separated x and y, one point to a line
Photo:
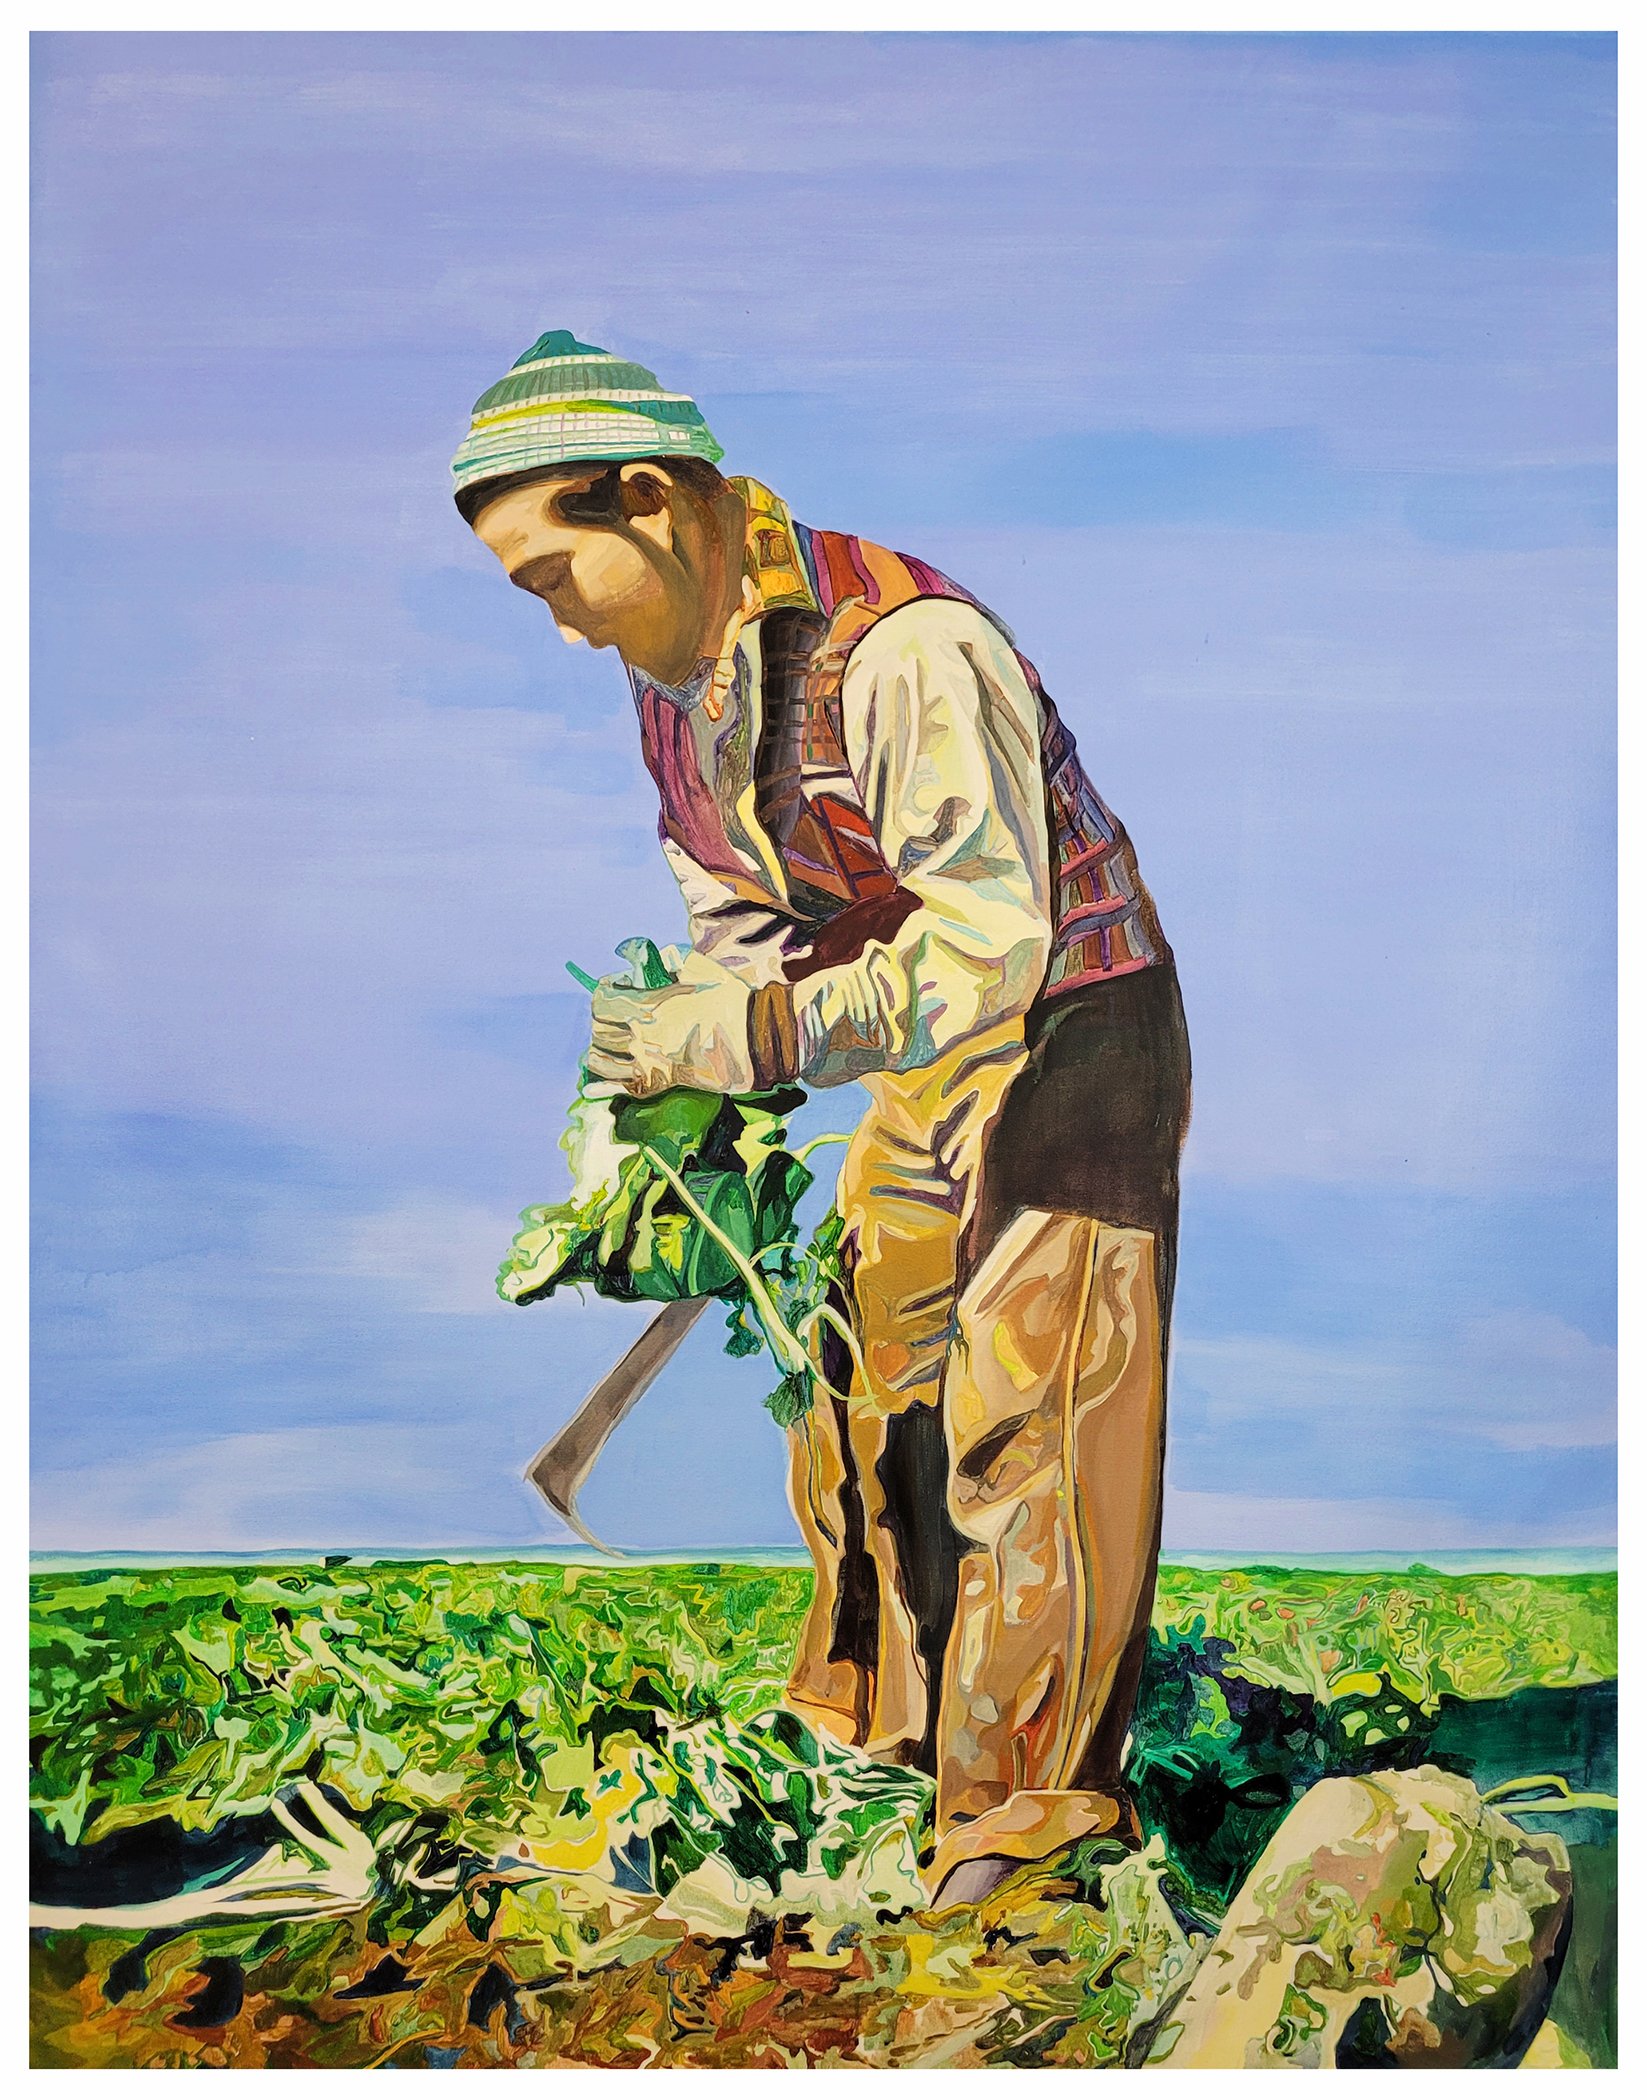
694	1032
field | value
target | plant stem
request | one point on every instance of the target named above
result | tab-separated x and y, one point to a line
829	1137
786	1344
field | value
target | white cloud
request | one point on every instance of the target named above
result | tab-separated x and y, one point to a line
1115	228
1245	1375
261	896
1257	1525
1544	1385
1520	1381
440	1255
839	104
311	1488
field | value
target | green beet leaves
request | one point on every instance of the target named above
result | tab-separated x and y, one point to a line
691	1195
626	1231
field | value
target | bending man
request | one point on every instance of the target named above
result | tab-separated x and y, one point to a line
896	871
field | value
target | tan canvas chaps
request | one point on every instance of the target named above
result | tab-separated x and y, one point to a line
983	1509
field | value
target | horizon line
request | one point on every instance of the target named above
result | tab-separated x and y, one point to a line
1300	1558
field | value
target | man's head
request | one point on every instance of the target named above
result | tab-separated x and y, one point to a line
598	492
630	556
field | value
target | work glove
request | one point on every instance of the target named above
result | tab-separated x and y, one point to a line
694	1032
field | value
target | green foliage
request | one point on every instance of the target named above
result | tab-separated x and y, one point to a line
1337	1636
1220	1755
199	1693
808	1290
427	1687
1262	1680
603	1841
626	1230
790	1400
688	1195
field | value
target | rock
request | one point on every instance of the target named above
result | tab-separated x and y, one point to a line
1393	1921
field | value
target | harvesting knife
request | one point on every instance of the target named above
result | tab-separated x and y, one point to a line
567	1460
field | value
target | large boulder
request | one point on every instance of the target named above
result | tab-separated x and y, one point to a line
1392	1921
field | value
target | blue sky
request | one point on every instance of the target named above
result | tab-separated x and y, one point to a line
1264	384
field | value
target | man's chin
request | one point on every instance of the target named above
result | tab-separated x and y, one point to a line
591	636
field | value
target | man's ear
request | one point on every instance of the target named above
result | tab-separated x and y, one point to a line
645	489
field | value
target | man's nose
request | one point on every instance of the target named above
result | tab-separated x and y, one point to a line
543	574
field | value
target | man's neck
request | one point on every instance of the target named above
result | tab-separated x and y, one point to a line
715	564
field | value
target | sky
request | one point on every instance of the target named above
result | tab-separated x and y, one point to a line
1263	384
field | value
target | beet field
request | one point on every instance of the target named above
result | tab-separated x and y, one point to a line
420	1814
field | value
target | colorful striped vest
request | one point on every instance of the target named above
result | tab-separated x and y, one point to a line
821	592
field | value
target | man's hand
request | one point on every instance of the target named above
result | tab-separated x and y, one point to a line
694	1032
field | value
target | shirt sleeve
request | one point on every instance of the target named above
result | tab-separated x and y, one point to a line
944	739
749	939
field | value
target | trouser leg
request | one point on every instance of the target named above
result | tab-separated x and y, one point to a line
832	1676
868	1472
867	1477
1055	1408
871	1501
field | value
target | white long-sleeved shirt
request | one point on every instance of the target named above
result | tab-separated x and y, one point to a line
942	736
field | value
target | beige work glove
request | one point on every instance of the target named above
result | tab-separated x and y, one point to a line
694	1032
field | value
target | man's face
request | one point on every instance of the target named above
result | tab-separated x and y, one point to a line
607	584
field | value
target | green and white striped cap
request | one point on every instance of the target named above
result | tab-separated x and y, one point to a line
565	401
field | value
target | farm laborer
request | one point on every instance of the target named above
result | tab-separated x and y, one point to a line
896	871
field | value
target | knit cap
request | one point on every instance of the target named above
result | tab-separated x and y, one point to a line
565	401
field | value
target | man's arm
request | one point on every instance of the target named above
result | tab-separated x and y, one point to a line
751	940
943	736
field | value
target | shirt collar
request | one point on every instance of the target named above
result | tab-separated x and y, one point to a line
686	695
775	574
774	560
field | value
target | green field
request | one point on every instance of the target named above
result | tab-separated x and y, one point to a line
554	1814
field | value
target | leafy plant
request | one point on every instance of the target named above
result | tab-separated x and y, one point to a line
1424	1634
667	1194
690	1194
598	1842
1222	1748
